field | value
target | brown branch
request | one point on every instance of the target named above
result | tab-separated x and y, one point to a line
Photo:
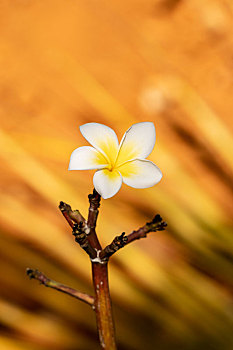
60	287
83	231
103	307
94	200
76	216
71	216
79	226
109	250
82	239
66	209
157	224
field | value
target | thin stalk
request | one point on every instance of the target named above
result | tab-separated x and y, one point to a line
47	282
103	306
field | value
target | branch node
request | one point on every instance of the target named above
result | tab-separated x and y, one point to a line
98	259
81	238
64	206
37	275
94	198
157	224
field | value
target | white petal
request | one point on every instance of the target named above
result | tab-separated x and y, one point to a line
107	183
140	173
86	158
102	138
137	142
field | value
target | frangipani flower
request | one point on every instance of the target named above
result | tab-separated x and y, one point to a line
117	163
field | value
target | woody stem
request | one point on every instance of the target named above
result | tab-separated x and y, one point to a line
103	305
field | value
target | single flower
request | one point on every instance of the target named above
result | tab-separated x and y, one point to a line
117	163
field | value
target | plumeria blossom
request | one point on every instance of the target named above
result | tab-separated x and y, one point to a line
117	163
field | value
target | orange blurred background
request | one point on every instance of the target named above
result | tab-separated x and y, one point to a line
66	63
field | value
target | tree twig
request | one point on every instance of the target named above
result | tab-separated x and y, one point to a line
82	239
94	200
86	298
71	216
157	224
65	209
109	250
79	226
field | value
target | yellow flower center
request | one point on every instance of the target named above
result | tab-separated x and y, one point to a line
115	157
